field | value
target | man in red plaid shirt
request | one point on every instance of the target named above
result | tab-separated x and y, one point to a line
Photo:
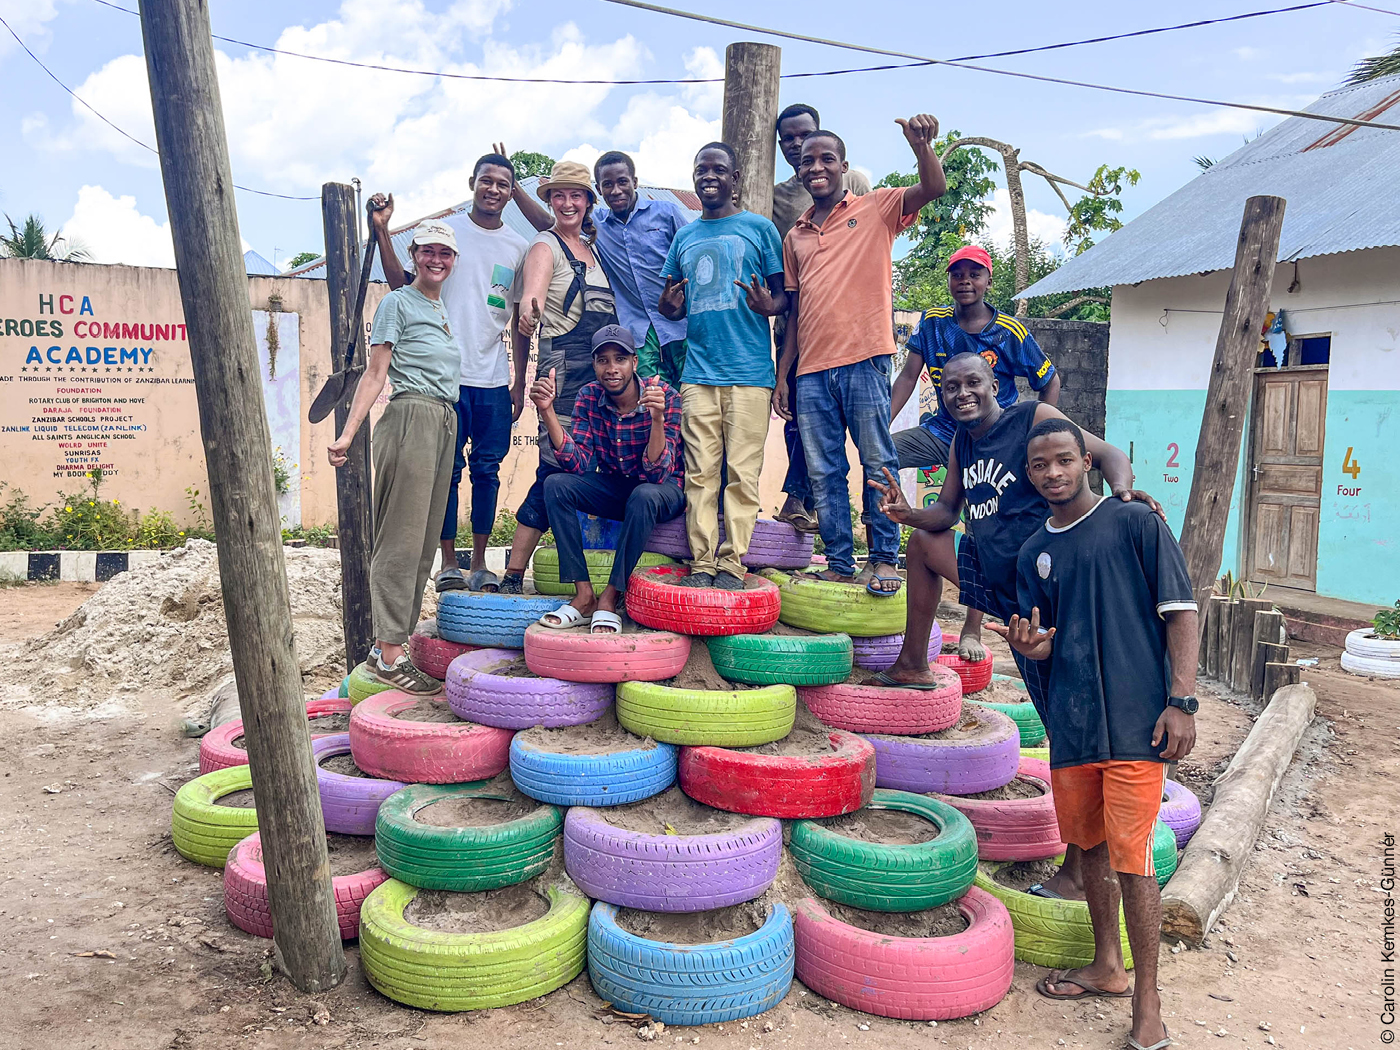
623	460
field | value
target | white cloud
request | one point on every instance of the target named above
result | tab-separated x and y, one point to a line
1196	125
1049	229
114	231
29	19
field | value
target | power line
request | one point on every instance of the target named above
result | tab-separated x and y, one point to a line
955	64
1367	7
716	80
52	76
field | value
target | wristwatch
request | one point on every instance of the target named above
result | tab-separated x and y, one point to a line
1189	704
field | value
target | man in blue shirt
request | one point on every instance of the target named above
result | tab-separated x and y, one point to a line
634	235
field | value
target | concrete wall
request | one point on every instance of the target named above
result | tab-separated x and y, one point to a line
1162	343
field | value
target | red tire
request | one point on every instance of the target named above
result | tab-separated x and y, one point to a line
423	752
654	600
216	748
883	709
913	978
576	656
1018	828
785	786
245	892
431	653
975	676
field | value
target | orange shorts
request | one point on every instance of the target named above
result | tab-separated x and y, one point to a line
1113	802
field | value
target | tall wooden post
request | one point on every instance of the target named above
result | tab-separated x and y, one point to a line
238	452
1227	396
750	114
352	481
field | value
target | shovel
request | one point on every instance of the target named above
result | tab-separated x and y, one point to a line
342	382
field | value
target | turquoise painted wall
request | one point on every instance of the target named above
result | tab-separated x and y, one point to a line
1358	551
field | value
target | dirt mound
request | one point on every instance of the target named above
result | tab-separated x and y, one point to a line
160	628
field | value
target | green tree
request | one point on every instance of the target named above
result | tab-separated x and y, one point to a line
1375	67
301	259
1099	208
528	163
32	241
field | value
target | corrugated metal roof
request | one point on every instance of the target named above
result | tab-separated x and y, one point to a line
256	266
1339	181
512	217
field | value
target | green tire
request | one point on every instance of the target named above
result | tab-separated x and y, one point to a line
203	831
545	568
741	718
1164	855
1055	933
456	971
1042	753
464	859
359	685
829	608
879	877
777	659
1023	714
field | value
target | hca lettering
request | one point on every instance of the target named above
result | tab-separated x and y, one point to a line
103	355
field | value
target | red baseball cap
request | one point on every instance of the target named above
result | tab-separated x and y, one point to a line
974	252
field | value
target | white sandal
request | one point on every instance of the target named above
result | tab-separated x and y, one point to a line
604	622
564	617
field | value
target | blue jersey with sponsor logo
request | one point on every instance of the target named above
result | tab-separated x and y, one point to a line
1009	348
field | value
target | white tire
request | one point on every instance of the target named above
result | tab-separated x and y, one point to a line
1365	643
1370	666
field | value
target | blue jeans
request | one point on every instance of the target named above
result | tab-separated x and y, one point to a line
796	483
639	505
483	418
856	397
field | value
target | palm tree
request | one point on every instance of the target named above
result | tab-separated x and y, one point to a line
1376	66
32	241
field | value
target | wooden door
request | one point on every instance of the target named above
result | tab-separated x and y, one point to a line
1290	408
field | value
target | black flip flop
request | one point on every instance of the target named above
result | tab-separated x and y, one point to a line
884	678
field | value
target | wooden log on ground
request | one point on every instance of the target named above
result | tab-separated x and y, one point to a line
1279	675
1242	641
1208	876
751	85
1265	653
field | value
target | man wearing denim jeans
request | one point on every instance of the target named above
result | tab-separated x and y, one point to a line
838	275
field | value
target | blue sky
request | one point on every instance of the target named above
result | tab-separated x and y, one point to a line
294	124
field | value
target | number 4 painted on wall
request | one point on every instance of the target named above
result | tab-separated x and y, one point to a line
1350	466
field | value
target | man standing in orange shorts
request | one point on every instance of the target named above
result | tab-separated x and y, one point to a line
1109	583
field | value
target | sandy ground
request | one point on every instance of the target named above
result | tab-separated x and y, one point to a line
108	939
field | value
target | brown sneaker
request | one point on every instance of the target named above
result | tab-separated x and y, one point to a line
402	675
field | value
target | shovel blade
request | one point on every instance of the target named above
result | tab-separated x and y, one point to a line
328	397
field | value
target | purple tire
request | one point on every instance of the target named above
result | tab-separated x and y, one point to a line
775	544
880	653
670	873
333	693
1181	812
506	702
348	804
969	762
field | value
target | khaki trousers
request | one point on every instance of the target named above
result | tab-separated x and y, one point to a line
411	449
722	424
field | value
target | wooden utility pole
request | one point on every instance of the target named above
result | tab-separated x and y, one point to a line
352	494
238	453
1227	396
750	116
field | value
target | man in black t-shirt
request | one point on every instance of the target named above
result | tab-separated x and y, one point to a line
1110	586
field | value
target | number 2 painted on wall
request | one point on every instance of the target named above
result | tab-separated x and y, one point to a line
1174	449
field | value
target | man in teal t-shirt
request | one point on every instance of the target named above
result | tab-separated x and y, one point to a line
725	275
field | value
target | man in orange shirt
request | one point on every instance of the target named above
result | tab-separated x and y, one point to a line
838	274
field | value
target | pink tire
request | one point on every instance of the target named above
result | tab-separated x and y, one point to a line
912	978
880	653
1015	829
478	694
245	892
423	752
882	709
576	656
431	653
216	749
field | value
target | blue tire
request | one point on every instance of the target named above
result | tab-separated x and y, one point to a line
344	690
591	780
494	620
691	984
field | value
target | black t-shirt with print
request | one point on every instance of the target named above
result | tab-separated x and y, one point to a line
1104	583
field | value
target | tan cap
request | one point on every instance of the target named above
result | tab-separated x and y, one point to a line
435	231
567	174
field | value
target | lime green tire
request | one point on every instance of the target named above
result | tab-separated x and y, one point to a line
1164	855
782	659
817	605
204	831
879	877
545	568
1023	714
722	718
1055	933
1042	753
463	859
469	971
360	685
